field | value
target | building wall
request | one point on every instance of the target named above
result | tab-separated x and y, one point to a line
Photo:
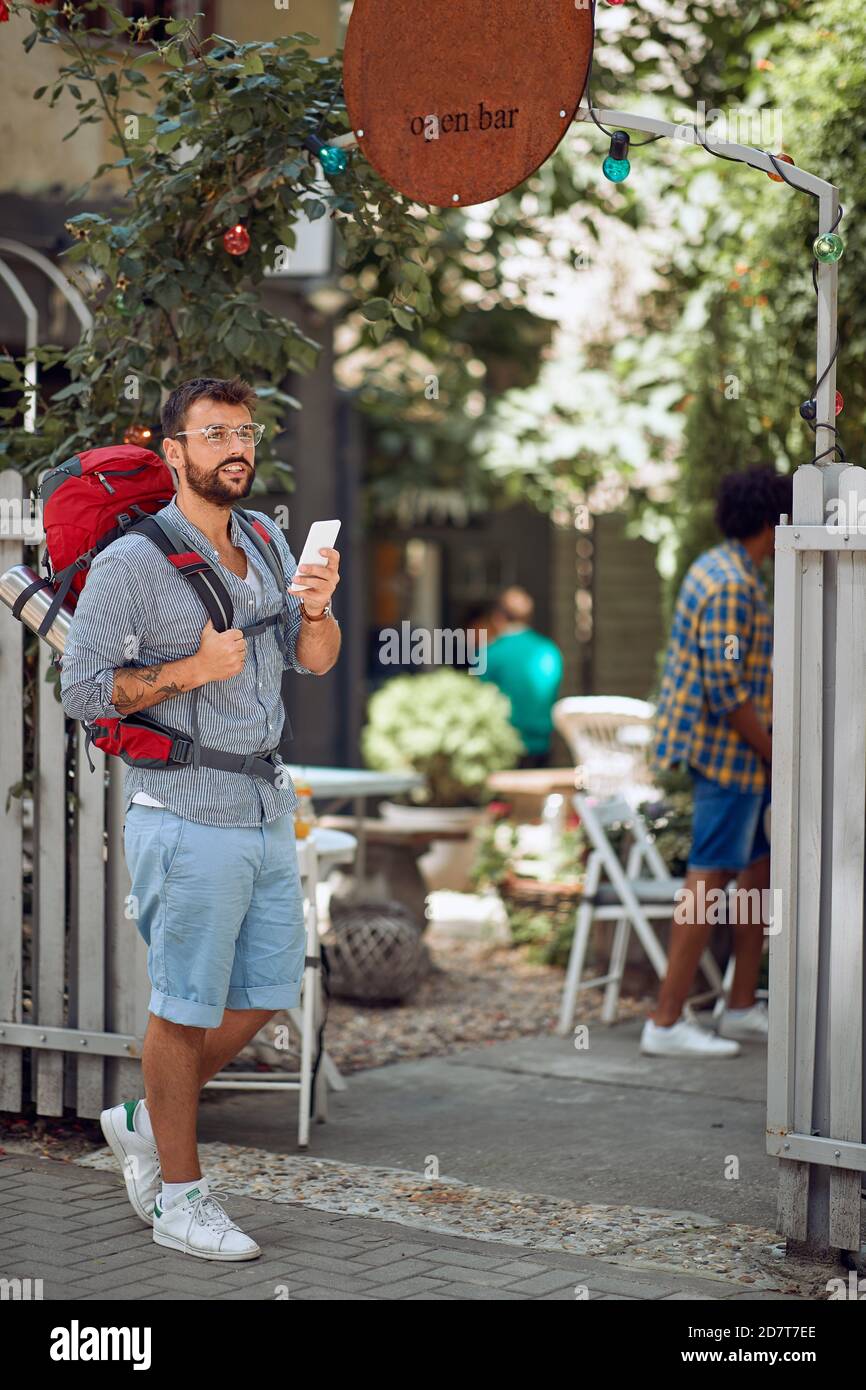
627	605
238	19
33	154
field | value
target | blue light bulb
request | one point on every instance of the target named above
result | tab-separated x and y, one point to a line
616	169
333	159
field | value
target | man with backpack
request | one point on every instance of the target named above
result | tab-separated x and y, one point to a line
192	612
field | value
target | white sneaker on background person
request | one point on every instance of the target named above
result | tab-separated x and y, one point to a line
684	1039
197	1224
750	1025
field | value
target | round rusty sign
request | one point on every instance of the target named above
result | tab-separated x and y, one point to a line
456	101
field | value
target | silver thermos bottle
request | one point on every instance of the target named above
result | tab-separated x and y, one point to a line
14	582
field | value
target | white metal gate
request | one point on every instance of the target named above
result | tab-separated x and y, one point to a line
816	1076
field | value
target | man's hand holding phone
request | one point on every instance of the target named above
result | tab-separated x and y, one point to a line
318	571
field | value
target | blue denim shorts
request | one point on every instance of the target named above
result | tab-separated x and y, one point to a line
727	826
221	910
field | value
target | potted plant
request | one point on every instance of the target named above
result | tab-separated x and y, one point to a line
454	730
539	884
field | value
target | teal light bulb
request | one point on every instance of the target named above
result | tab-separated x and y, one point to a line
828	248
333	159
616	169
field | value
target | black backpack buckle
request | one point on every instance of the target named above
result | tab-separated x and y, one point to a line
181	750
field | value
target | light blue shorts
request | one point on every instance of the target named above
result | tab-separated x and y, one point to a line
222	912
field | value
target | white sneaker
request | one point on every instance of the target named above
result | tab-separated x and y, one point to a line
683	1039
137	1155
752	1025
197	1224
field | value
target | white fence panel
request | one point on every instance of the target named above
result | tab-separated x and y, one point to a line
49	884
11	841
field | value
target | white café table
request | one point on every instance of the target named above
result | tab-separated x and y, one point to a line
317	853
337	785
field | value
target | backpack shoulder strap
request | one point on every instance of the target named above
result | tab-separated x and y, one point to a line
263	541
196	570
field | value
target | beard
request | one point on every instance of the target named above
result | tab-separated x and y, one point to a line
215	486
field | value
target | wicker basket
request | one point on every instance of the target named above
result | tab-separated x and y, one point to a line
375	951
557	900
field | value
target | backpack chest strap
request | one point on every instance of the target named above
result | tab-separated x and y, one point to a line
253	629
199	573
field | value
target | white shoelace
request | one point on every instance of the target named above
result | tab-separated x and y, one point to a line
207	1211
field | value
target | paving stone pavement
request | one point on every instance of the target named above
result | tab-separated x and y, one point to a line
74	1230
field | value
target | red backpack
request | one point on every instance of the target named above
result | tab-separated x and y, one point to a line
90	501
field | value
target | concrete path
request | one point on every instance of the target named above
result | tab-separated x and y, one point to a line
601	1125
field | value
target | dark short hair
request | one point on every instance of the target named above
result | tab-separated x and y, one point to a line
747	502
234	392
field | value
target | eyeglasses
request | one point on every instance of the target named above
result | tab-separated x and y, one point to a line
218	435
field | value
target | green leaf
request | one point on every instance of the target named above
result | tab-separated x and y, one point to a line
415	275
405	318
169	139
240	120
167	294
380	330
376	309
100	254
75	388
237	340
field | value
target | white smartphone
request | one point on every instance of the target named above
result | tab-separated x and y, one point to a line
321	533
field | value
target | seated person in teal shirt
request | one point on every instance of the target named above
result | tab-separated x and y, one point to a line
527	668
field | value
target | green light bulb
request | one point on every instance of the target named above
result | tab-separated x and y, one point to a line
828	248
616	169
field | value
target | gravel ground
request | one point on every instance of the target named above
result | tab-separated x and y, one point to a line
638	1238
475	994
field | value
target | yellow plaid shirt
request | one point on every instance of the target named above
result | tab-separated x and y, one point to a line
719	655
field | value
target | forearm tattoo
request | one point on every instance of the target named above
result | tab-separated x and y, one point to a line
137	687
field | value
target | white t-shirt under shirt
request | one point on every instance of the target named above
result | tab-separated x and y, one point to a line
253	579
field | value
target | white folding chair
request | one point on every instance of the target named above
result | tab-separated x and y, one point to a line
629	895
317	853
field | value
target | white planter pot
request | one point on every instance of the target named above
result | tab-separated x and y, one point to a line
447	863
431	817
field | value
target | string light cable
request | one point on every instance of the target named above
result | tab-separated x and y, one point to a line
827	247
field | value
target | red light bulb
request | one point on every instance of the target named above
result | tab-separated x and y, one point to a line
840	402
237	240
138	434
783	159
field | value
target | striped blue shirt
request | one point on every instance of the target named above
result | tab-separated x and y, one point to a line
137	610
